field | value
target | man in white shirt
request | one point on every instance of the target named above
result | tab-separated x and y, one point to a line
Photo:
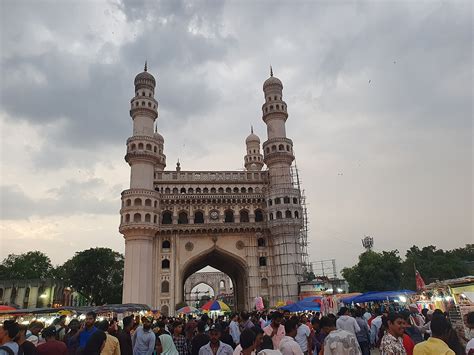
338	341
234	329
288	345
303	335
8	331
346	322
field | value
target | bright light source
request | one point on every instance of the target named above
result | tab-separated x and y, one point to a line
82	317
44	295
339	290
402	299
448	298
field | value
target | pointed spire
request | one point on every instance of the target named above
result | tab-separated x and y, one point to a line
156	128
146	66
271	71
251	129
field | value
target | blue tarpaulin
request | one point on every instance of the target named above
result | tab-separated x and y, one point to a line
302	306
378	296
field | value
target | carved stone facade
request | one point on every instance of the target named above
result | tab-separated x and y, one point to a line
218	281
244	223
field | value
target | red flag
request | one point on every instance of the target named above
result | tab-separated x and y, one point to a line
420	284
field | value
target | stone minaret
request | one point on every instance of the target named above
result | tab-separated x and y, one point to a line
253	159
283	199
140	203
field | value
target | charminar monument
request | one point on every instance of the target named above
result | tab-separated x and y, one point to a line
249	224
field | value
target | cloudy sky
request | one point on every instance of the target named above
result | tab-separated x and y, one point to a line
379	96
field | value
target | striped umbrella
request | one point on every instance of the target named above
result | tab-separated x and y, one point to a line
214	305
187	310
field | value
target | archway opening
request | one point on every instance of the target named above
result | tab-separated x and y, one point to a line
226	263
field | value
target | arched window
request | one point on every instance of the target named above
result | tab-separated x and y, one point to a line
228	190
165	287
154	218
271	216
127	218
166	244
213	190
165	264
277	201
287	214
264	283
258	216
167	190
148	146
147	217
222	284
182	218
190	190
236	190
295	200
297	214
205	190
133	147
167	217
274	148
156	203
221	190
262	261
137	202
175	190
287	147
183	190
147	202
140	146
229	216
286	199
270	202
279	215
198	217
198	190
250	190
261	242
154	149
137	217
165	310
244	216
128	202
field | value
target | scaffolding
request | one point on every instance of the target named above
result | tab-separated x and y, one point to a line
290	241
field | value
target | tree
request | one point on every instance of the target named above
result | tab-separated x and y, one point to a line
375	272
435	264
180	305
31	265
96	273
204	299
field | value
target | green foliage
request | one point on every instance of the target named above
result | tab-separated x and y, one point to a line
180	305
97	273
204	299
435	264
31	265
374	272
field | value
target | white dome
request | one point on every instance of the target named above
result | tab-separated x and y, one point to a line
252	138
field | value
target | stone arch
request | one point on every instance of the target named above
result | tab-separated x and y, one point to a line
258	215
165	310
183	218
232	265
165	263
198	217
165	286
167	217
244	216
229	216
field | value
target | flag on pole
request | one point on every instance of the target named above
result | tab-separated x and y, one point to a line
420	284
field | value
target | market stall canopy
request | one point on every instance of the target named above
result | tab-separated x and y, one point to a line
375	296
115	308
303	305
188	310
214	305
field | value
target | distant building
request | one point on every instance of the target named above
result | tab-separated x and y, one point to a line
322	286
38	293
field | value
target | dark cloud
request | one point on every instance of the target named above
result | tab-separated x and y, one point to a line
72	198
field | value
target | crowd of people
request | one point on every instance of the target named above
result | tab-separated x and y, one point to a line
351	332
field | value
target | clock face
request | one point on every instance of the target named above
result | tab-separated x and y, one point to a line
214	215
